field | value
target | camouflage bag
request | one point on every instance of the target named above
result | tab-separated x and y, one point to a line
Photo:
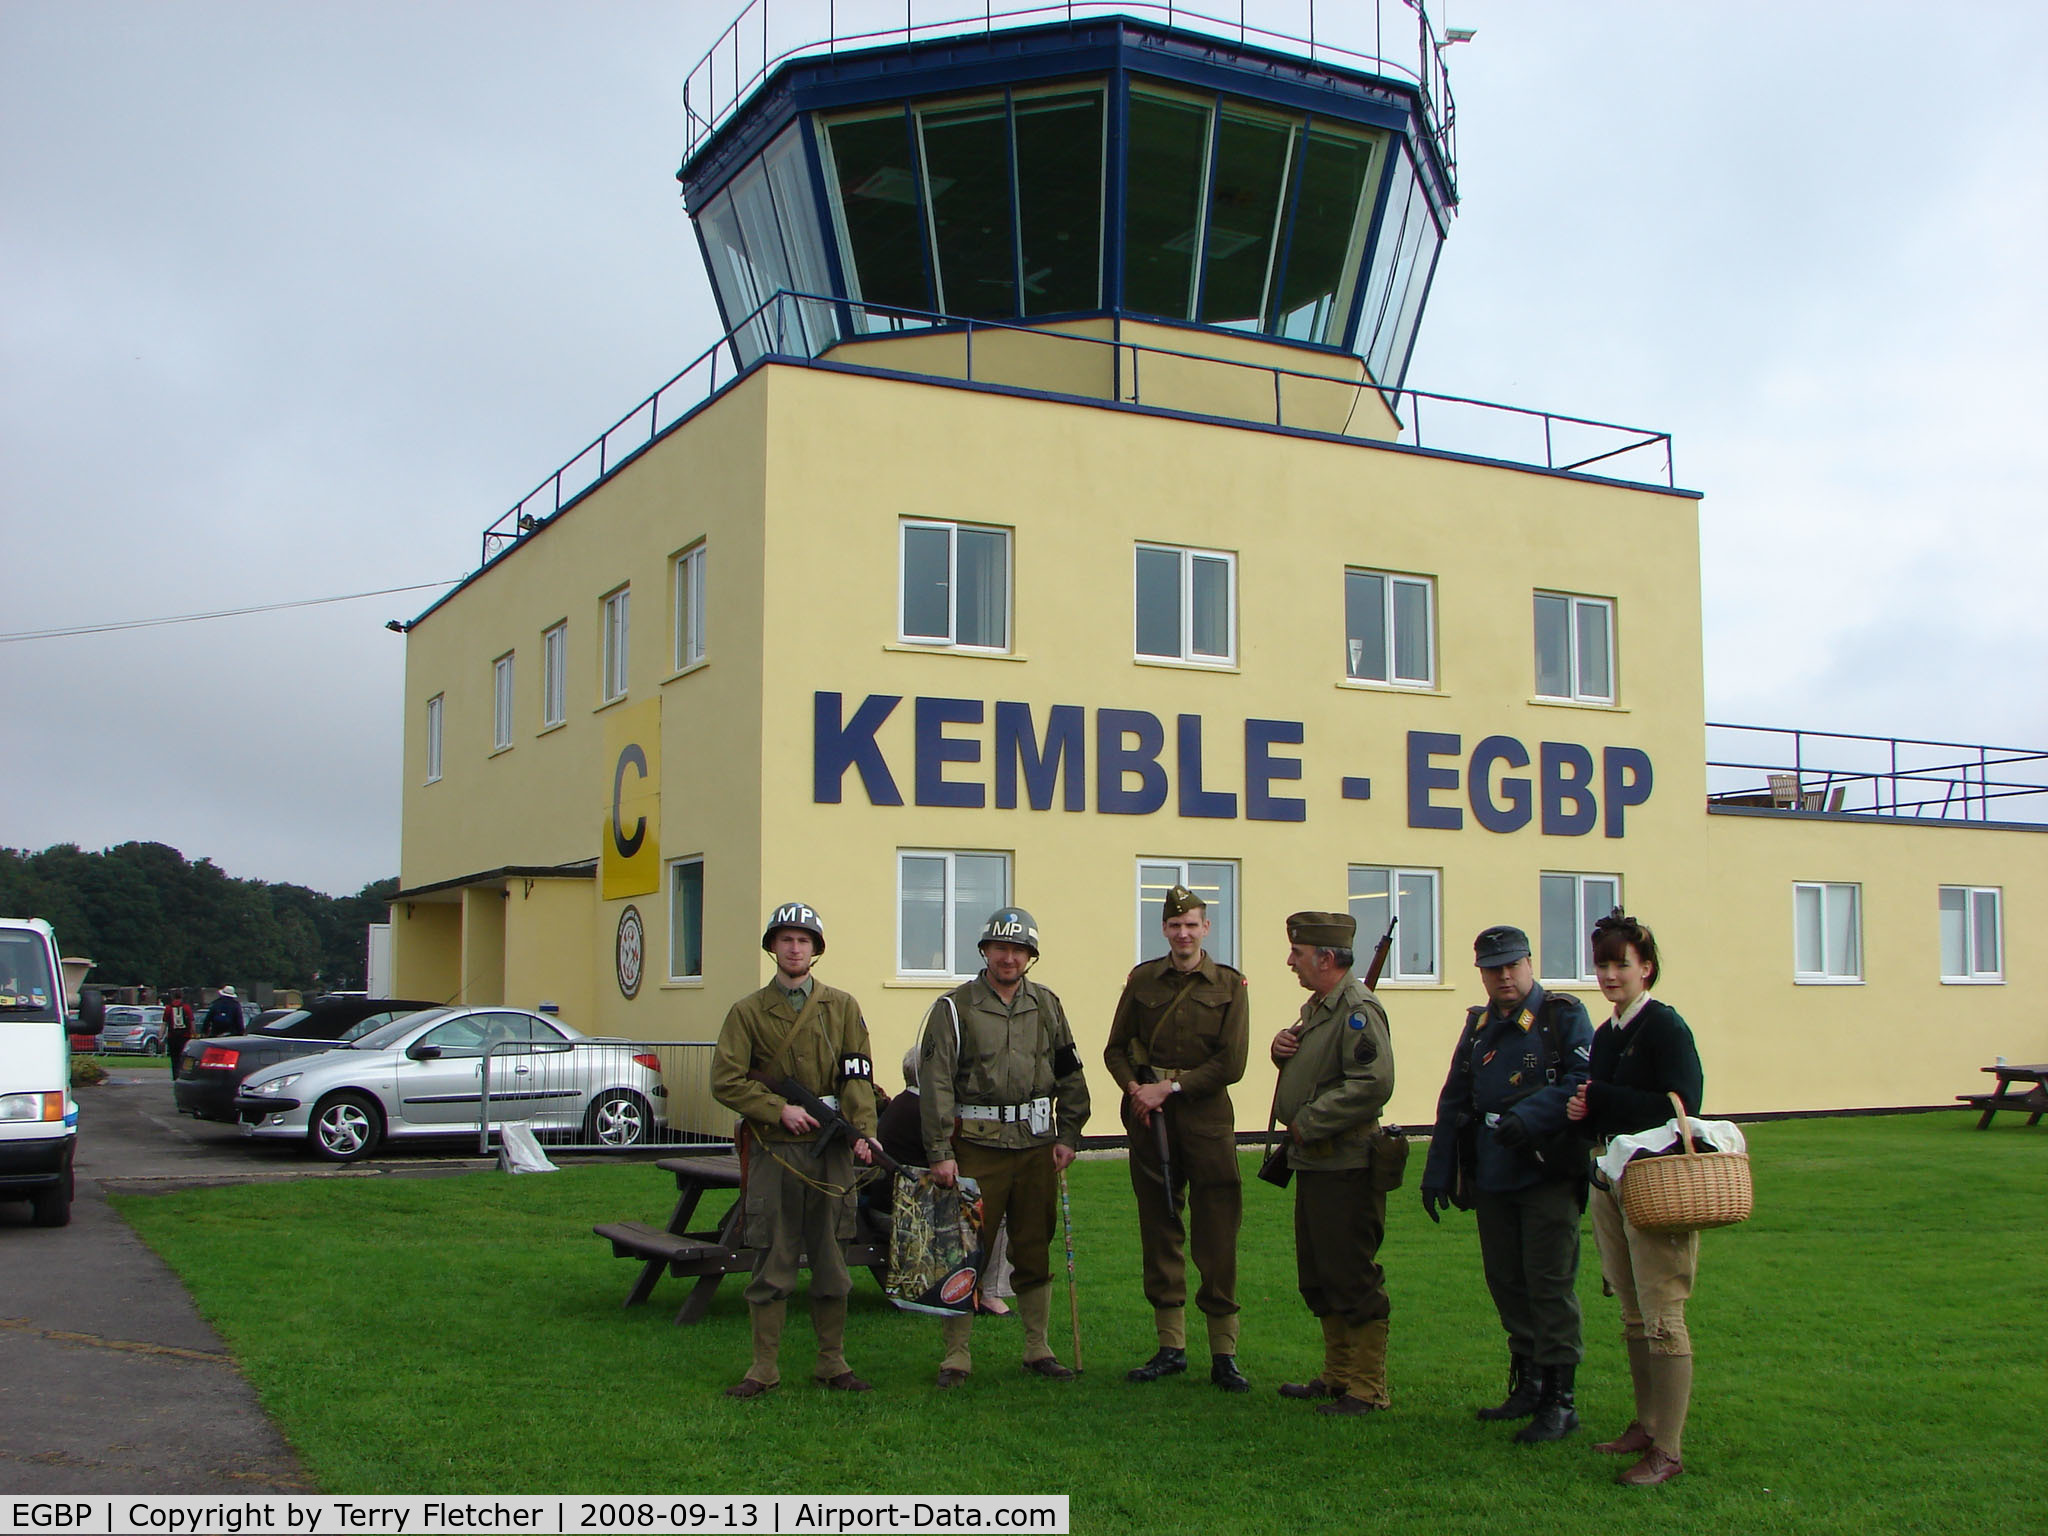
935	1250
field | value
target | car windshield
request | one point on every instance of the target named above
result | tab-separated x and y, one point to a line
282	1025
389	1034
26	989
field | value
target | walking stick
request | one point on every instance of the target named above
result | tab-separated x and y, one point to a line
1073	1295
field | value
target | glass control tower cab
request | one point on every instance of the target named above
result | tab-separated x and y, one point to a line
1121	173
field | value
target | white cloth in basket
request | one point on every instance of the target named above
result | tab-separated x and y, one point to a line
1707	1136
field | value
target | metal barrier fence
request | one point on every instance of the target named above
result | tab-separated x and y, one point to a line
602	1095
1762	767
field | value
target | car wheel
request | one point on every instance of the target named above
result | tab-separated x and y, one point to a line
617	1117
345	1127
155	1047
53	1205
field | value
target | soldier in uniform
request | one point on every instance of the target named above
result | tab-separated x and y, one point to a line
1517	1065
1176	1045
798	1201
1336	1074
1004	1102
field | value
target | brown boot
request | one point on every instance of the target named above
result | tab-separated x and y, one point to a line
1655	1467
1331	1382
766	1371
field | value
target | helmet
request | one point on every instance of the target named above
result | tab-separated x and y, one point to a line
1010	925
794	914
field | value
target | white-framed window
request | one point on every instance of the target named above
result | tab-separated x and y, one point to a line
686	919
554	676
1972	934
434	713
617	634
956	585
1186	604
501	703
1389	629
1379	892
1827	932
942	900
689	578
1214	880
1567	908
1574	648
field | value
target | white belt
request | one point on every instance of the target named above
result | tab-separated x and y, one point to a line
1007	1114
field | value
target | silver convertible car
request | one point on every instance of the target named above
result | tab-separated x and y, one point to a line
425	1075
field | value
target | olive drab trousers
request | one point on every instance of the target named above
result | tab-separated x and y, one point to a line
1203	1144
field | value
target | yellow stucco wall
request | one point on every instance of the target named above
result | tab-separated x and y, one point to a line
548	947
483	945
426	950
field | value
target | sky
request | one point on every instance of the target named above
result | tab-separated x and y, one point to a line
296	299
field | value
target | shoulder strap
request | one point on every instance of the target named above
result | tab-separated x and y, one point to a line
1546	1025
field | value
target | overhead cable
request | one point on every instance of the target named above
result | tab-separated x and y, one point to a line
66	631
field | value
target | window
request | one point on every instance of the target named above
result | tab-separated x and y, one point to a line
616	626
554	673
942	900
1827	933
434	738
1410	895
1971	933
689	608
686	920
1569	907
1186	604
501	703
1574	648
1388	633
956	585
1214	881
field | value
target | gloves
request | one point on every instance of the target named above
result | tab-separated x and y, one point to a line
1435	1200
1512	1133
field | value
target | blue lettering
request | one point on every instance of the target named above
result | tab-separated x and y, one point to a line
1628	782
1218	804
1479	785
935	749
1113	761
1562	790
835	748
1261	768
1424	779
1017	746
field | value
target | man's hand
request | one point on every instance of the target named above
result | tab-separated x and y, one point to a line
1062	1154
863	1150
797	1120
1285	1044
1512	1133
946	1174
1435	1199
1578	1108
1147	1097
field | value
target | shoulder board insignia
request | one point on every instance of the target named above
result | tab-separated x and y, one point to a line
1525	1019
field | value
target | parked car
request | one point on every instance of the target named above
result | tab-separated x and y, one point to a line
38	1116
137	1029
212	1072
422	1075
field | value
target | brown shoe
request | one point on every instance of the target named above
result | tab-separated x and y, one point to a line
1348	1405
746	1388
845	1381
1632	1441
1049	1368
1654	1468
1306	1389
948	1377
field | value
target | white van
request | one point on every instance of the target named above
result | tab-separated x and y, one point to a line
38	1116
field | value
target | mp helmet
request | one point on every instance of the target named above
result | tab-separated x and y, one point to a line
1010	925
794	914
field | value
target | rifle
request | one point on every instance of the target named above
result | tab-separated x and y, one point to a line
1273	1166
832	1125
1379	956
1145	1074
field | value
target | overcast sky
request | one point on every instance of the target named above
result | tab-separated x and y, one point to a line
299	297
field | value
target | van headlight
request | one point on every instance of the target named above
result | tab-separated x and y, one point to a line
21	1106
277	1084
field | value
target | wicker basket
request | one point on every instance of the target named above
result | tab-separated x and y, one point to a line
1686	1191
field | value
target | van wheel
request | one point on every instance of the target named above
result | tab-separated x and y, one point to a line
346	1127
53	1205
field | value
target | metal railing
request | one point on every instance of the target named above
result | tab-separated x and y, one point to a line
1383	38
1780	769
806	330
602	1095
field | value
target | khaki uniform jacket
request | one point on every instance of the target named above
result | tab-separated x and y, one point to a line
1192	1026
1333	1089
1002	1054
764	1032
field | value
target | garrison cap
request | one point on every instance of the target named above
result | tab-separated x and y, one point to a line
1501	945
1325	930
1180	899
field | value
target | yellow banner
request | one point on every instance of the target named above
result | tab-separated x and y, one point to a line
631	863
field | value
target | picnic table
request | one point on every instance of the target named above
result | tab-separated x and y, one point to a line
2034	1100
710	1254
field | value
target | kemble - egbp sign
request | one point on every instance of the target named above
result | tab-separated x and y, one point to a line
1565	796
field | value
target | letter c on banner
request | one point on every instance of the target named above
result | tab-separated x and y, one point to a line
631	757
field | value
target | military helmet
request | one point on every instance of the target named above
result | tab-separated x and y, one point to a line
794	914
1010	925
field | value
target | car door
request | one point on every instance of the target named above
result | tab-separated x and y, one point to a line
435	1079
525	1076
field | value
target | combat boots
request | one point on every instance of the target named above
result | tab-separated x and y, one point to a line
1335	1352
1555	1417
1524	1388
1167	1362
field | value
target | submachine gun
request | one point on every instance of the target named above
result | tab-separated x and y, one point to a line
832	1125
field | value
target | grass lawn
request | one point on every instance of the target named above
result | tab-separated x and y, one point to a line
123	1060
1869	1359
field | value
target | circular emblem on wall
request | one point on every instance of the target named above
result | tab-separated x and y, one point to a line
631	951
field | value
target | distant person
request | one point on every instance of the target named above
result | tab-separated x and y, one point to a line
225	1016
177	1027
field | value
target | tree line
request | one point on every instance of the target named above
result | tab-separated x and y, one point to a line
149	917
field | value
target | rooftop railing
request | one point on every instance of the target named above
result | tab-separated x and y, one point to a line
807	330
1772	768
1384	38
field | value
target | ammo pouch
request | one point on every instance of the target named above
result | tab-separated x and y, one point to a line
1389	1158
